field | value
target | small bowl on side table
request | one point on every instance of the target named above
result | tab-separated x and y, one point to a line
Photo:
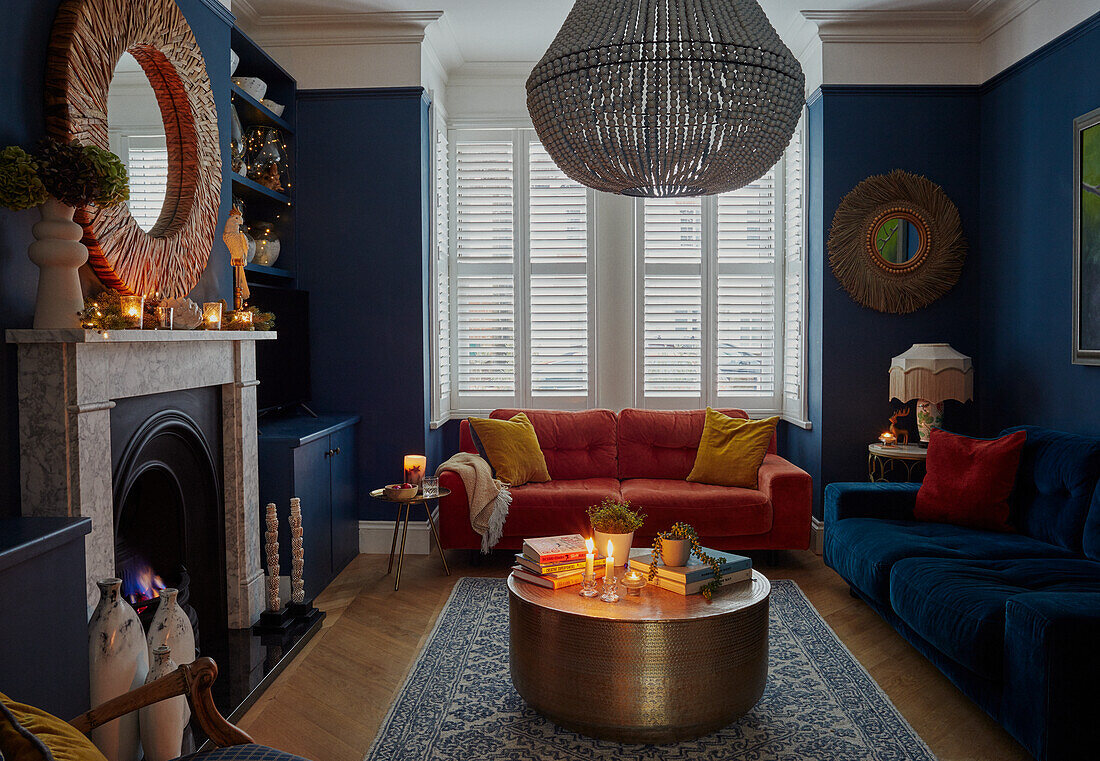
397	493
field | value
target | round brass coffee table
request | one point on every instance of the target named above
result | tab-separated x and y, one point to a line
659	668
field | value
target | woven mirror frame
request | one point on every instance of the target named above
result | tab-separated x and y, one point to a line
666	98
89	37
936	263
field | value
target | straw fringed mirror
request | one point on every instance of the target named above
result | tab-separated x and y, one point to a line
88	40
896	244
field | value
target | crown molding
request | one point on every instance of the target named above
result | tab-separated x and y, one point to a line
971	26
492	73
324	29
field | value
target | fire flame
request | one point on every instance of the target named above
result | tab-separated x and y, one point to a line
591	546
140	582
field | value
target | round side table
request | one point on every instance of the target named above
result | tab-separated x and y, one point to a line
883	460
657	668
405	505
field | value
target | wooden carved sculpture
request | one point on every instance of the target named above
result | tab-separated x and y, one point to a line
901	435
274	604
297	583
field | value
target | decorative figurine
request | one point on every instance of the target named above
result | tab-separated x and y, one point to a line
274	604
297	584
901	435
237	243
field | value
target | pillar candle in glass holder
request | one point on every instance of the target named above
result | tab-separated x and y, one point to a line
133	308
164	318
415	467
244	320
212	315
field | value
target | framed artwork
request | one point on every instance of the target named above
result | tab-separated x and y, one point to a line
1086	239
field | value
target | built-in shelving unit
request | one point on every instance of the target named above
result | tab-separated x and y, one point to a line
261	203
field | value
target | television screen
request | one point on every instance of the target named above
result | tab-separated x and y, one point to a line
282	366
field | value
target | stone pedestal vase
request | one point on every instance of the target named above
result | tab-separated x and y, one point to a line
59	254
619	542
172	628
119	660
163	723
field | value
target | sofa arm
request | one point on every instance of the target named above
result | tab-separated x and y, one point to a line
1052	668
786	484
867	500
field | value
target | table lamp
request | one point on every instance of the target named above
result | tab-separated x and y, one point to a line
931	374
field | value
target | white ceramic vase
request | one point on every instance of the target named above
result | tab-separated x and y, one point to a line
620	543
171	627
119	659
163	723
59	254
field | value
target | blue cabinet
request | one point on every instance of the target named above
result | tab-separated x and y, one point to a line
313	459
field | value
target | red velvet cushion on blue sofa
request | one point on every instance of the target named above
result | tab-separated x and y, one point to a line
958	606
864	550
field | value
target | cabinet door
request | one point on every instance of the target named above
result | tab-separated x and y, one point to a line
345	499
311	485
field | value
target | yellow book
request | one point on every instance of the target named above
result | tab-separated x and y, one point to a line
551	582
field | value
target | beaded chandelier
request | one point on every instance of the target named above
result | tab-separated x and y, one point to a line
665	98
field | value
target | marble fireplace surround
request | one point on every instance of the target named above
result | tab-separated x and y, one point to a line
68	381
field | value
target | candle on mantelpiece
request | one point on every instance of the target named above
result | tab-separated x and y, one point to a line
590	558
133	308
415	465
609	564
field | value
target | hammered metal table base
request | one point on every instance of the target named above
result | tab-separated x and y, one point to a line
662	670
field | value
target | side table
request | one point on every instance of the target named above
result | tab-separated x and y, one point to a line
882	460
405	505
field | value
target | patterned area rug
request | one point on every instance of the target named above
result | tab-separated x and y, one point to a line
458	703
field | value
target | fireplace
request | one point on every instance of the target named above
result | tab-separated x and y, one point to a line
168	514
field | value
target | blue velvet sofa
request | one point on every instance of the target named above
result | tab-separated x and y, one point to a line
1012	619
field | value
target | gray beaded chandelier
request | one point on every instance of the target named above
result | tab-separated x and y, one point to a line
665	98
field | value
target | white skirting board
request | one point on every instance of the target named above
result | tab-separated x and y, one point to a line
817	535
375	537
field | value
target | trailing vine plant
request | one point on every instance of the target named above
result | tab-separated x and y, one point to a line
685	531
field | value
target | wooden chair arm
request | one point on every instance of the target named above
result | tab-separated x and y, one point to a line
193	680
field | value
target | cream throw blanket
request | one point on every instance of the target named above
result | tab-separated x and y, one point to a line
488	498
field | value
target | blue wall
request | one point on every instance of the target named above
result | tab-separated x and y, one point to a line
1027	224
27	26
363	188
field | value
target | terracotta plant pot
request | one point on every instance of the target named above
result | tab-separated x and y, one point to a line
620	543
675	552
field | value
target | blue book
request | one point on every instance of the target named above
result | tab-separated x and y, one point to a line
695	570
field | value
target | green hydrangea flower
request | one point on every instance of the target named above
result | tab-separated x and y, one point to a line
20	186
114	182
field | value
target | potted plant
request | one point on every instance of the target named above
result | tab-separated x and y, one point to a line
615	521
676	546
60	178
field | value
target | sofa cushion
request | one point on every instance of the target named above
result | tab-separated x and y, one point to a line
577	445
731	450
969	481
711	510
31	734
1055	489
959	605
663	443
512	449
864	550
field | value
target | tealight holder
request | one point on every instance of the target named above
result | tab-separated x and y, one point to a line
133	309
212	315
610	588
634	582
164	318
588	585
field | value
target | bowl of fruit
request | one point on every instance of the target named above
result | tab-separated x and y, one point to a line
401	491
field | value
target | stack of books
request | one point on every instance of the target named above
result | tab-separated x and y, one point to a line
690	579
553	561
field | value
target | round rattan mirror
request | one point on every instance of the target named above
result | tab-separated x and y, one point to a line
89	37
896	243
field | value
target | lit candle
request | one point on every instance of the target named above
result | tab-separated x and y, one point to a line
212	315
132	308
590	558
888	439
415	466
609	564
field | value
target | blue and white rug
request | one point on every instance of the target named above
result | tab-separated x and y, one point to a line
458	703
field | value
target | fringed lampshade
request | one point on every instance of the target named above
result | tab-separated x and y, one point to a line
665	98
931	374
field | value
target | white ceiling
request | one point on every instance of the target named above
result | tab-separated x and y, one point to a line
521	30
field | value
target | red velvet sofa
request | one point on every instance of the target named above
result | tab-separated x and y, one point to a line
643	456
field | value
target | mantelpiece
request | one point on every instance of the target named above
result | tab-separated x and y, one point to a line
68	383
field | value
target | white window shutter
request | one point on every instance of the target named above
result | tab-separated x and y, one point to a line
147	166
794	267
483	216
442	276
558	241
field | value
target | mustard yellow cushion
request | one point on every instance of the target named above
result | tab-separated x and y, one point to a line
22	727
512	448
731	450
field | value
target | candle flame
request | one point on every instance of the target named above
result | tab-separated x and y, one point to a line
590	545
610	549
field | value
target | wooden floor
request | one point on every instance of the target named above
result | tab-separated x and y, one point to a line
329	703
